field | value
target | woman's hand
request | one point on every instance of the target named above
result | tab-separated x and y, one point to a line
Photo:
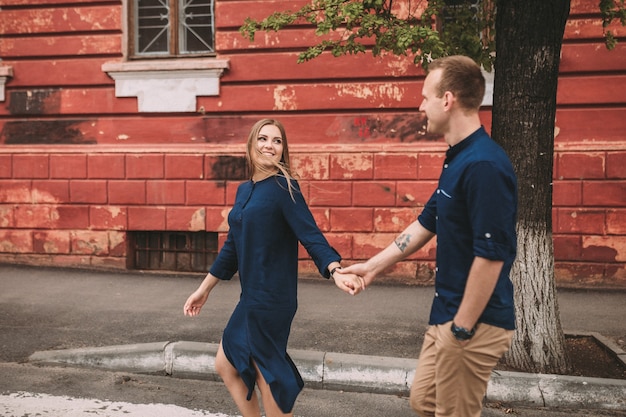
350	283
363	271
194	303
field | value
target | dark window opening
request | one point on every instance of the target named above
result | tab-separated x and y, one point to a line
172	251
171	28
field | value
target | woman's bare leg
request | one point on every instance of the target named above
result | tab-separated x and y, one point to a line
269	403
237	388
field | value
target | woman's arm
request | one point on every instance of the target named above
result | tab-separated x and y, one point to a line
196	300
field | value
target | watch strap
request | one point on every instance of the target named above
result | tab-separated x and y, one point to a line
461	333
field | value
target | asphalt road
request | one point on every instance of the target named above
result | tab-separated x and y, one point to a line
45	309
196	397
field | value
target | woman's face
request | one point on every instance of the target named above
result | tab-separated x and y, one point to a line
269	143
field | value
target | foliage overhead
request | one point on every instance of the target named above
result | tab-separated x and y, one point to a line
612	10
424	29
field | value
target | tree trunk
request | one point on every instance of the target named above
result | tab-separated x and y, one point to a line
529	35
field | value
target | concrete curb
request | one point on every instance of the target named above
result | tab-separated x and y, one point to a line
348	372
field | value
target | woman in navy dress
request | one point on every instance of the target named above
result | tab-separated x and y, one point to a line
266	223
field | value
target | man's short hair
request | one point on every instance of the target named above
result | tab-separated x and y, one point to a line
462	77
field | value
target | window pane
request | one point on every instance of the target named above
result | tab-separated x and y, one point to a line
196	26
453	10
152	35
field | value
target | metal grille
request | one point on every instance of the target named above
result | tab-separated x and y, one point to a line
172	251
173	27
196	26
153	26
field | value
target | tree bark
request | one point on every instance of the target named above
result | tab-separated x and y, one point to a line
529	35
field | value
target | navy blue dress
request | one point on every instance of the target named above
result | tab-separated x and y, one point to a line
262	244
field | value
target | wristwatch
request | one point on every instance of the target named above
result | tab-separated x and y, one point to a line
461	333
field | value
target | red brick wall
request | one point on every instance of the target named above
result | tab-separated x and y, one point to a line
73	209
589	217
79	166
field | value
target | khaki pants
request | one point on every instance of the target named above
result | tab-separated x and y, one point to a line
451	380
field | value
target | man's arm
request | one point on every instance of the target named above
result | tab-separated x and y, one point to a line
481	282
409	241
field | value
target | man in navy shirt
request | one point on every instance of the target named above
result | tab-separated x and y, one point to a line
473	214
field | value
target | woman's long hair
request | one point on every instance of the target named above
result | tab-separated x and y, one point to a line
284	166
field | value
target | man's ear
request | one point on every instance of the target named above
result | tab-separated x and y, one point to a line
448	99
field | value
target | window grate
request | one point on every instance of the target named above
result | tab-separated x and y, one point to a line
196	26
172	28
153	26
172	251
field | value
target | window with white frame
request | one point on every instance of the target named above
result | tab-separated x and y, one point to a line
171	58
171	28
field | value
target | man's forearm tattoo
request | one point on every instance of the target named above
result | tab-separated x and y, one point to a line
402	241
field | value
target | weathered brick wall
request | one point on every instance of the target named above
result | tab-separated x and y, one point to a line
79	166
589	217
73	208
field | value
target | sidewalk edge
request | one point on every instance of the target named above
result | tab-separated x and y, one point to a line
340	371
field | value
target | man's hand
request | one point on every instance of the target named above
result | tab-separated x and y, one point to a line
350	283
366	276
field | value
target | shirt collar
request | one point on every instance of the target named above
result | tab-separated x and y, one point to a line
456	149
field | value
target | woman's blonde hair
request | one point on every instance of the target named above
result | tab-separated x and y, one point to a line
283	166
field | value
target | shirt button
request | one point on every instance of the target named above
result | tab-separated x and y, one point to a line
445	165
438	191
488	235
436	294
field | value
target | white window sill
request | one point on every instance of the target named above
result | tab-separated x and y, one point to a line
5	73
167	85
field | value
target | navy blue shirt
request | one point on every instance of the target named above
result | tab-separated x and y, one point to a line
473	213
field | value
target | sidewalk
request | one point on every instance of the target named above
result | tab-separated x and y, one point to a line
134	322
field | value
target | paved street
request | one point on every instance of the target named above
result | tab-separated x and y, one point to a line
43	309
29	391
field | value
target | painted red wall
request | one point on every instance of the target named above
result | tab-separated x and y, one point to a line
79	167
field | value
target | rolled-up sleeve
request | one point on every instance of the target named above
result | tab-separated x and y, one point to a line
428	216
491	202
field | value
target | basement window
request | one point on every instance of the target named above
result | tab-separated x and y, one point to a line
172	251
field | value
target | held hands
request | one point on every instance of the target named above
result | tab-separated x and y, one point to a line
350	283
365	273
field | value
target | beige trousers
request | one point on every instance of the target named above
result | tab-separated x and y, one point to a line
451	379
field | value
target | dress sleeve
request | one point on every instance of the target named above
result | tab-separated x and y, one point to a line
225	265
301	221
